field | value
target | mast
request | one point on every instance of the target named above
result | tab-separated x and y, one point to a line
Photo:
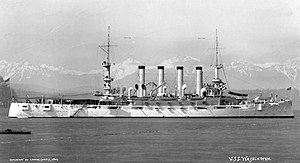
217	53
108	43
106	64
217	65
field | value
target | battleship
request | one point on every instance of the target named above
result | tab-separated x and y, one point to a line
209	100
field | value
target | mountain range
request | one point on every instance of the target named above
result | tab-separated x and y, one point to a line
239	75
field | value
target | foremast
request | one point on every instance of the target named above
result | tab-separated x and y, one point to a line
107	65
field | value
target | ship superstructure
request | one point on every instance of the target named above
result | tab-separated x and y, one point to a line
209	100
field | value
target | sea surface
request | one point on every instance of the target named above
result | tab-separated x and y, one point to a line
150	140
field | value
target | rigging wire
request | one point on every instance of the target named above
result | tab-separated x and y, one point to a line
102	68
96	78
117	83
206	77
227	83
246	82
125	37
221	60
212	61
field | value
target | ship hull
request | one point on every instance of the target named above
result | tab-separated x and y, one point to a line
32	110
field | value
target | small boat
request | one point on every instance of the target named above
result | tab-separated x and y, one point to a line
10	131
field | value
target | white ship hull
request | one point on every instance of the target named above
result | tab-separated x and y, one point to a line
33	110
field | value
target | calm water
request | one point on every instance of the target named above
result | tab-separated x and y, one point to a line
150	140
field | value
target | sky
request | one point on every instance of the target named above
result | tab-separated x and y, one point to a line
67	32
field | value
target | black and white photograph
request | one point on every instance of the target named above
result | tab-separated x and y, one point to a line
204	81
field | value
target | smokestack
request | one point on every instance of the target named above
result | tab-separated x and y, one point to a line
180	80
199	82
161	79
141	85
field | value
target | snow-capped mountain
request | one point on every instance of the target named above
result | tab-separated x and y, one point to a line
188	62
127	67
288	70
240	74
21	71
26	70
43	75
59	77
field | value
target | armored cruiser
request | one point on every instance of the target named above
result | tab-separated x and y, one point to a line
209	100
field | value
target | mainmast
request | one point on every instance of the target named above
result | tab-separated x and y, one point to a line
217	65
106	64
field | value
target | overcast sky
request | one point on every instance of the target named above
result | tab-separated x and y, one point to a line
66	32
